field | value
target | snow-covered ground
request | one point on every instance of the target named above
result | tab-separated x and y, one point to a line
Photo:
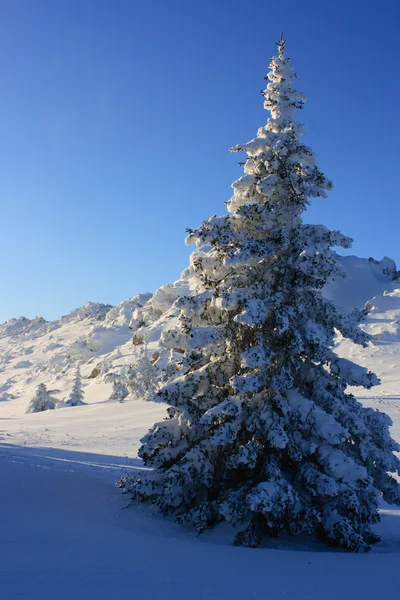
66	535
65	532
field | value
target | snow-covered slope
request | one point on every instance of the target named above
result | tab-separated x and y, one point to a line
33	352
375	285
67	536
365	278
99	337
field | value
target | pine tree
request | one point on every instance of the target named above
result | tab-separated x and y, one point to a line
42	400
76	396
141	375
261	432
119	392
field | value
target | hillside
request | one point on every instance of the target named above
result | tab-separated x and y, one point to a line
66	527
99	337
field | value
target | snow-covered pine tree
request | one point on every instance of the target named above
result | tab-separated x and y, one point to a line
119	390
142	378
261	432
76	395
42	400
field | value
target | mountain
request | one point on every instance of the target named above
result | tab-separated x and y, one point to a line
59	466
102	338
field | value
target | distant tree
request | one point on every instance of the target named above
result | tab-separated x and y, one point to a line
42	400
119	391
105	366
76	396
141	375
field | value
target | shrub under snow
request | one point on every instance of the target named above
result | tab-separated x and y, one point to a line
42	400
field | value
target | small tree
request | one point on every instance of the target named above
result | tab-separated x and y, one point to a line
119	391
142	378
76	396
42	400
261	432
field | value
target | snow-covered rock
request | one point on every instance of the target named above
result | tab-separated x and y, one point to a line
90	310
122	314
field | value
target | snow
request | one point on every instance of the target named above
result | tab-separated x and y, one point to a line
325	425
365	278
66	532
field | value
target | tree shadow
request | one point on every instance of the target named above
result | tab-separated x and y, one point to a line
143	517
105	464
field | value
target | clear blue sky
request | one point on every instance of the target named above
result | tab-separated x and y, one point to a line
116	119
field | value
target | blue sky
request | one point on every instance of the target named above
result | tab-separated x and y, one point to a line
116	119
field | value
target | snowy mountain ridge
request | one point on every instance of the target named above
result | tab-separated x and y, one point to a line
39	351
